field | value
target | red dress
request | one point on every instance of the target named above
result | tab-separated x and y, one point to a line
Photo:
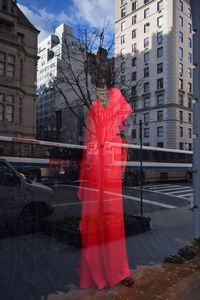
103	254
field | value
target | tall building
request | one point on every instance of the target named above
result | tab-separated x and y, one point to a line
18	61
55	119
154	46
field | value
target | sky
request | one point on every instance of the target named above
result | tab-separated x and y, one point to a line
46	15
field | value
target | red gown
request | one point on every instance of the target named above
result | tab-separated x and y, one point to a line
103	254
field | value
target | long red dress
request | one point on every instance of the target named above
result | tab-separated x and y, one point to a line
103	254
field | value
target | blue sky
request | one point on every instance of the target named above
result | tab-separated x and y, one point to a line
45	15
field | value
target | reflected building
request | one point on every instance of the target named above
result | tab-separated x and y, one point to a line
154	50
18	61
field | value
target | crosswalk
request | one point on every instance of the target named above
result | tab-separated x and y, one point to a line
175	190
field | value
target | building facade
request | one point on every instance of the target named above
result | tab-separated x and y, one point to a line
154	50
18	62
58	104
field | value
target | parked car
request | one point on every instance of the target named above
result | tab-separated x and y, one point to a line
22	201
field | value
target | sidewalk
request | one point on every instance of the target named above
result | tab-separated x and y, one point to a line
171	230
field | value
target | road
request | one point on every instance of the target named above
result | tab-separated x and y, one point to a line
155	197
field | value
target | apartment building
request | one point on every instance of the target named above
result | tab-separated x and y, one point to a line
18	61
55	119
154	51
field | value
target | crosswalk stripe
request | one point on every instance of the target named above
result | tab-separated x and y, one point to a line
170	189
182	191
166	187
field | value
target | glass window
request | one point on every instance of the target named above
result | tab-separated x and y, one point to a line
160	83
133	33
180	84
123	52
160	5
146	13
181	36
9	99
146	42
146	72
160	145
189	57
160	52
9	113
190	133
160	115
146	27
134	47
134	5
134	134
11	59
1	112
159	37
123	78
180	21
146	118
189	42
146	1
123	12
189	28
181	146
134	19
123	39
181	5
190	72
146	87
2	56
2	68
160	68
160	21
189	117
160	131
180	68
189	12
146	57
134	76
123	2
181	131
134	61
146	102
181	99
146	132
10	70
123	25
189	87
180	116
180	52
134	90
160	99
190	102
123	67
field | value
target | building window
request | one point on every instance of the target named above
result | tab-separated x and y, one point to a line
189	87
160	21
180	52
134	19
134	5
146	102
123	78
146	87
160	68
189	57
146	1
160	131
9	108
160	5
160	83
189	13
180	68
146	132
180	116
134	47
2	105
181	146
123	2
181	131
146	57
134	134
135	104
134	61
160	37
146	27
123	52
190	72
181	5
160	115
10	70
134	76
180	84
2	68
189	28
180	21
133	90
160	99
181	99
189	43
5	4
146	42
123	25
146	13
160	52
146	72
190	133
123	12
146	118
181	36
123	39
7	65
189	117
189	102
133	33
160	145
123	67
